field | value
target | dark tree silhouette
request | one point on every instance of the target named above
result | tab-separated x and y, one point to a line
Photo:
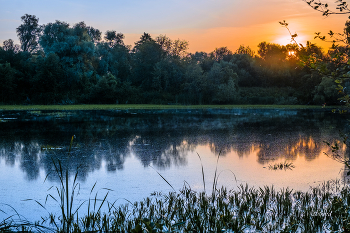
29	32
114	38
8	45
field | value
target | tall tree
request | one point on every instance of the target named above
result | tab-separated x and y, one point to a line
175	48
48	83
245	50
114	38
191	87
29	32
146	54
146	37
222	53
272	52
74	46
113	57
8	45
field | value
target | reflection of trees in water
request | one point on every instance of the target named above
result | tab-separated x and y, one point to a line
161	149
8	156
162	141
29	160
26	154
88	156
282	138
289	147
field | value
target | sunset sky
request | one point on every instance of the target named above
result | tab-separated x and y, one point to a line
206	24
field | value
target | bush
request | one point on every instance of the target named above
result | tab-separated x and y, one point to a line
270	95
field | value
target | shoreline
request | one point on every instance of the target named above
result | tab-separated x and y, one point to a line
153	107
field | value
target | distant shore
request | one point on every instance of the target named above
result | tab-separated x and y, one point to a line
152	106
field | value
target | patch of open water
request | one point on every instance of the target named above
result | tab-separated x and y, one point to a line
125	150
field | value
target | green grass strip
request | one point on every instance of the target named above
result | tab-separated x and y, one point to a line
150	106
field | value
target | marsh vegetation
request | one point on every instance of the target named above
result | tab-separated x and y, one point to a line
244	209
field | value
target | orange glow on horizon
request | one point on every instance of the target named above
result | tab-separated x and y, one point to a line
207	40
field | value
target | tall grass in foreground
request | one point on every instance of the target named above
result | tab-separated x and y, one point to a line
244	209
325	208
69	218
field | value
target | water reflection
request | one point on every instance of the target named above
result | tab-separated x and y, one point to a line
35	139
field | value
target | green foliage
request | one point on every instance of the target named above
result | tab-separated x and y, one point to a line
245	50
272	95
227	93
222	53
243	209
7	80
47	81
146	54
105	91
114	38
175	48
73	65
8	45
326	92
167	77
272	53
74	46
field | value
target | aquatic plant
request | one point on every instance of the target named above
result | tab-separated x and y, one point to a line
65	195
244	209
18	223
281	166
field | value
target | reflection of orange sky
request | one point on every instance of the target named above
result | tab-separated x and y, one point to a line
304	147
249	169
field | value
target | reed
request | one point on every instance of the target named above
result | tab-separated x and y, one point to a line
65	195
281	166
244	209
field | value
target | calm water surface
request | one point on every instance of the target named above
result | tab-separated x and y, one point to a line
125	150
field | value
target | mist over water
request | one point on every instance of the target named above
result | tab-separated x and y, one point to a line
124	150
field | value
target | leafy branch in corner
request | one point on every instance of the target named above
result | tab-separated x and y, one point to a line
341	8
335	64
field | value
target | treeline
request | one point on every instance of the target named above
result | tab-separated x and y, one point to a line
61	64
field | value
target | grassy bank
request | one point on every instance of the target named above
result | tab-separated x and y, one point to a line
150	106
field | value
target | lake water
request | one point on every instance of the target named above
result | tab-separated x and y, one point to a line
125	151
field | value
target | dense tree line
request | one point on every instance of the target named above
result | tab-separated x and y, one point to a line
61	64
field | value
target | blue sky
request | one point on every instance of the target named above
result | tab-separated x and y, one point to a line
206	24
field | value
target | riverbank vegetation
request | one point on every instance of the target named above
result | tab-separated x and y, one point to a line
151	107
245	209
58	63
